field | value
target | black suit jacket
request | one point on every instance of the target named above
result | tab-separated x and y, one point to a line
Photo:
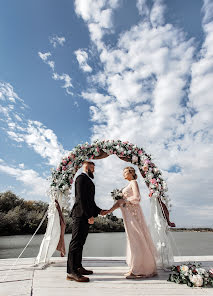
84	205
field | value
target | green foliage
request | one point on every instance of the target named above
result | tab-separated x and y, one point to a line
19	216
108	223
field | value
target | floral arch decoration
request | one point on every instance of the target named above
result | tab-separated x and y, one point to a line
62	177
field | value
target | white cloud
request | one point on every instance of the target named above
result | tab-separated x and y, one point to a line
208	11
63	77
82	58
95	97
67	81
98	15
44	142
56	40
44	56
157	13
36	185
142	7
33	133
15	136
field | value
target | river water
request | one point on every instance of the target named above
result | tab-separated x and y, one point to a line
109	244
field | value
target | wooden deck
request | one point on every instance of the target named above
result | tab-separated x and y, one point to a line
108	279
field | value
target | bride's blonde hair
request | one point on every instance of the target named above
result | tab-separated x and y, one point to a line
132	172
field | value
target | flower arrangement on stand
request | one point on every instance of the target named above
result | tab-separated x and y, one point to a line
62	177
192	275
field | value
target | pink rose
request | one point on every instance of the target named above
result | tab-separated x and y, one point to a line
121	154
64	168
140	152
147	161
211	272
69	163
64	162
153	181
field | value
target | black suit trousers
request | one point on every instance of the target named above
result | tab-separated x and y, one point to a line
80	229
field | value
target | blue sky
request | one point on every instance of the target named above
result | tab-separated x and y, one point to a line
75	71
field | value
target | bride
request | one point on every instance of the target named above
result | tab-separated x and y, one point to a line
141	253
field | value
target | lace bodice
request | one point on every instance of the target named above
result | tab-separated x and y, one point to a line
131	192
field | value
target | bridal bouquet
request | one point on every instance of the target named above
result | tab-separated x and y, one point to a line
117	194
191	274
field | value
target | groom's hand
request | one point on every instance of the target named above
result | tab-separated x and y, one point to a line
91	220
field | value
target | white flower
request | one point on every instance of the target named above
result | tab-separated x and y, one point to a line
164	186
184	269
134	158
156	194
201	270
196	279
65	187
150	175
156	170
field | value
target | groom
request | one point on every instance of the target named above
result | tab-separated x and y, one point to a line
83	213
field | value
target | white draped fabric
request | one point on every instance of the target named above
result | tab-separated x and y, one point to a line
160	235
52	235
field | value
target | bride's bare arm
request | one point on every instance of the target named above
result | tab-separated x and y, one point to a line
115	206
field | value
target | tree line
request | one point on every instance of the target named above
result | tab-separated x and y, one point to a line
20	216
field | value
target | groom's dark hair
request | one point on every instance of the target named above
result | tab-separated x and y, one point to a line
88	162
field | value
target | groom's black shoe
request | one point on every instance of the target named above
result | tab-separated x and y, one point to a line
75	276
84	271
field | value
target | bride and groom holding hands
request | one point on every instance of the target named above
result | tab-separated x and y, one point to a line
141	252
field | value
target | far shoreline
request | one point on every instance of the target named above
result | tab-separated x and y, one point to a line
197	229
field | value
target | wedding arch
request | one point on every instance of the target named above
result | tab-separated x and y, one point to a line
62	180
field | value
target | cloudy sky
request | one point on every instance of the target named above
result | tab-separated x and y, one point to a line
135	70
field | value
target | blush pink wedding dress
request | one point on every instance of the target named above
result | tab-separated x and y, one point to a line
141	252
